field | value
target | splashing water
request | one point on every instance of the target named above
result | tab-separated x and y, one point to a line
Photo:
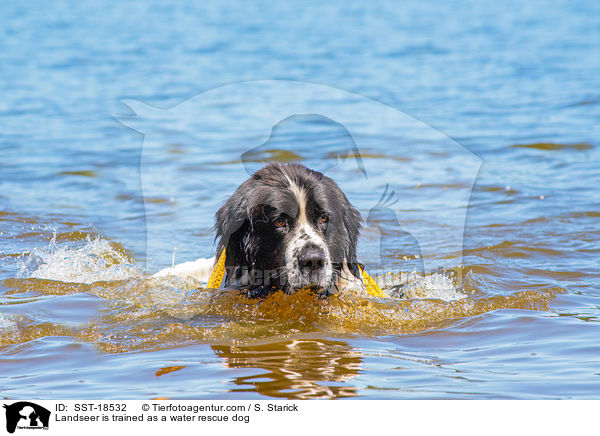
413	285
161	311
98	260
8	329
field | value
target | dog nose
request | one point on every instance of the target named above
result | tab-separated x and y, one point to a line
312	259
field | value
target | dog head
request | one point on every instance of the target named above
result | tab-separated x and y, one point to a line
288	227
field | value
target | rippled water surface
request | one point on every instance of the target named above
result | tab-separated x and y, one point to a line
124	127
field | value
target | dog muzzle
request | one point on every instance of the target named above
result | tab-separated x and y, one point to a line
218	273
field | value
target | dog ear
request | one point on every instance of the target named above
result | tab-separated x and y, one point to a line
231	225
230	218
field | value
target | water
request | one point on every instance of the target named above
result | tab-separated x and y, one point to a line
500	282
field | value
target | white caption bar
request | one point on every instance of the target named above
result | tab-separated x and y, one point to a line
264	417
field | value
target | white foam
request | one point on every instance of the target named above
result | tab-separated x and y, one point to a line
413	285
8	328
434	285
96	261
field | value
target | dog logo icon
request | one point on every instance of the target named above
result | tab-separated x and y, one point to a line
26	415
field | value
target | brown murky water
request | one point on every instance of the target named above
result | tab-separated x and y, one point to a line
168	337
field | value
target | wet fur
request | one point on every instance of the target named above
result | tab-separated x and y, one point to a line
262	257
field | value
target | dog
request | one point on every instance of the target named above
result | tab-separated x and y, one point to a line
285	228
288	227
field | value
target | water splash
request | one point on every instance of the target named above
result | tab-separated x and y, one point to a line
8	328
154	312
97	260
412	285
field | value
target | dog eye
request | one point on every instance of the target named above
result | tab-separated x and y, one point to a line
324	218
280	222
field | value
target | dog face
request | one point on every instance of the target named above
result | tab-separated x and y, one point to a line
287	227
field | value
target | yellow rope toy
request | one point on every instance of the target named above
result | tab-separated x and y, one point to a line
372	287
218	272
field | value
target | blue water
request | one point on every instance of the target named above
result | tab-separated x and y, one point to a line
515	86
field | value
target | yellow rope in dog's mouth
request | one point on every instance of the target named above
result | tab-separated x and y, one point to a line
218	272
372	287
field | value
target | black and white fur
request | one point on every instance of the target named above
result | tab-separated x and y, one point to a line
288	227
